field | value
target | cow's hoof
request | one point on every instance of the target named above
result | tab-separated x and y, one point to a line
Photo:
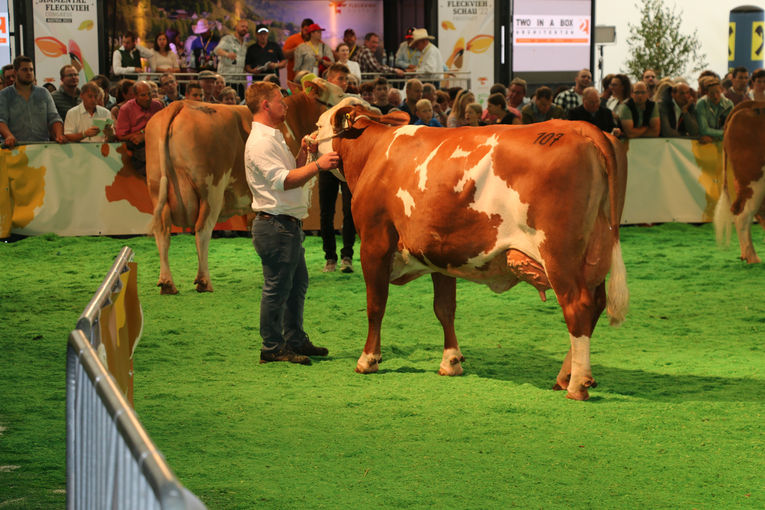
751	259
203	286
578	395
167	288
579	391
561	383
451	364
368	363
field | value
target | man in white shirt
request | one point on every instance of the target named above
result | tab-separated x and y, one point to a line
79	125
127	58
281	192
431	63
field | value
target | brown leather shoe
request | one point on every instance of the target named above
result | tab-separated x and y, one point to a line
308	349
284	354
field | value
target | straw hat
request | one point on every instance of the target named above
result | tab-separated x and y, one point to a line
419	34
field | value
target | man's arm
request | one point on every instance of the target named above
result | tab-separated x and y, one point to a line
117	65
10	140
301	175
652	130
58	132
55	124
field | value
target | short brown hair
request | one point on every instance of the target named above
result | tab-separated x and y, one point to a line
258	92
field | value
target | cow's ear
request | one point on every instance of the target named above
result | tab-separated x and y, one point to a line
395	119
341	117
294	88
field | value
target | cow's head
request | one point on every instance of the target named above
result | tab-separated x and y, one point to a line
348	118
323	91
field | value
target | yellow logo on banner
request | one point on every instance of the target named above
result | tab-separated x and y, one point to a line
757	39
732	40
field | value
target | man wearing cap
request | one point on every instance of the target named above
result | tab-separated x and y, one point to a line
127	58
264	57
291	44
407	57
313	55
367	61
207	80
430	63
203	46
349	38
232	50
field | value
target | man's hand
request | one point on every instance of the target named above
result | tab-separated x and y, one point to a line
399	72
309	144
60	138
136	138
328	160
706	139
10	141
91	131
138	70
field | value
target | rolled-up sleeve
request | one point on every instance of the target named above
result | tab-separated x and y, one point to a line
263	157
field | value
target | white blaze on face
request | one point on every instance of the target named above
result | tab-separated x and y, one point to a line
325	129
408	130
493	196
407	199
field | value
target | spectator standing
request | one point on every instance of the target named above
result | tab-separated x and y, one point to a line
313	55
207	80
281	190
380	95
163	59
127	58
169	88
592	110
349	38
68	95
131	124
541	108
650	79
711	111
264	56
638	115
571	98
343	56
621	90
739	90
430	63
328	188
424	112
678	114
291	45
407	57
367	61
413	91
79	125
27	112
232	50
757	93
203	46
497	108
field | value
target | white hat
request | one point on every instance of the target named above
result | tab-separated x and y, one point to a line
420	33
201	27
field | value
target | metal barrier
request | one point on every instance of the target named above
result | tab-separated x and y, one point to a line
110	460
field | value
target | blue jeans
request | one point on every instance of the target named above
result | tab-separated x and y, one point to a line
278	242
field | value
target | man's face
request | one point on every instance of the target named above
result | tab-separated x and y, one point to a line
350	39
128	43
583	79
220	84
759	84
591	102
195	94
714	93
9	77
420	45
89	100
649	78
304	32
276	107
208	85
640	93
71	78
681	94
169	86
381	94
414	92
262	37
373	43
25	74
739	81
543	105
228	99
241	28
339	79
515	95
425	113
143	95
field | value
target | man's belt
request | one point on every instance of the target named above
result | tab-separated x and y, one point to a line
285	217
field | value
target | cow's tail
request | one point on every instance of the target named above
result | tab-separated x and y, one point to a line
723	218
617	293
164	163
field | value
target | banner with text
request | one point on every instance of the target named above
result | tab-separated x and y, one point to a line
466	41
66	33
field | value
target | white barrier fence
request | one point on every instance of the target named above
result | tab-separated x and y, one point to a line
110	460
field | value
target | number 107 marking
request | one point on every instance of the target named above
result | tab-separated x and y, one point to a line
548	139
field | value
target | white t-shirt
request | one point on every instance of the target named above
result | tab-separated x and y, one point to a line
267	161
78	120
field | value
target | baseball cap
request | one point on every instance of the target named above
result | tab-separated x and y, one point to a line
261	28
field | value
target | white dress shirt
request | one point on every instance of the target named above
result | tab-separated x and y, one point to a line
267	161
117	60
78	120
431	62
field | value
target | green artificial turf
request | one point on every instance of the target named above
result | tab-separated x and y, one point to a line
675	422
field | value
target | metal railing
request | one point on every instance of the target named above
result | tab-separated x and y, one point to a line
111	462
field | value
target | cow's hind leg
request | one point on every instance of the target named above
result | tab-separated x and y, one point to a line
376	262
445	305
744	219
204	228
161	230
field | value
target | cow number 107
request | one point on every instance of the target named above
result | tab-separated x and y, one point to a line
548	139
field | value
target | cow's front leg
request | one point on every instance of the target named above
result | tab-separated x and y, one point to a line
376	271
204	229
161	230
445	305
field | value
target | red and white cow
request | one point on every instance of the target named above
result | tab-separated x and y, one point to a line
496	205
744	145
195	167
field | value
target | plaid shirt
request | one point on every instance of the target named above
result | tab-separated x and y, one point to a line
568	99
369	64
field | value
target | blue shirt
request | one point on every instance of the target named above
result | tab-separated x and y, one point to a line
433	122
29	121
